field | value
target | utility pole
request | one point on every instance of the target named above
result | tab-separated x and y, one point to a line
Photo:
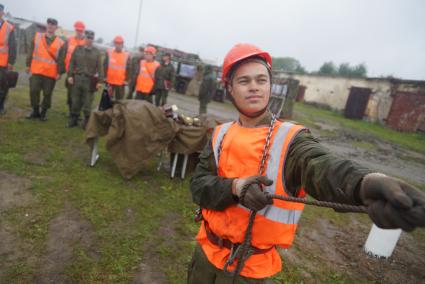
138	23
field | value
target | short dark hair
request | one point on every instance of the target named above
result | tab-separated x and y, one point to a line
52	21
89	34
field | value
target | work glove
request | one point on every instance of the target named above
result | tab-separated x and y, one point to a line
250	192
392	203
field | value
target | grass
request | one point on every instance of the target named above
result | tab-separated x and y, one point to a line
308	115
125	216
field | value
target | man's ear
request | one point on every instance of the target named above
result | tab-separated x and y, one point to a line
229	90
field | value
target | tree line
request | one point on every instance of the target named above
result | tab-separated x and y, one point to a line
290	64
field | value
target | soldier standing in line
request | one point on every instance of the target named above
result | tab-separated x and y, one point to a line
84	74
71	44
134	64
7	55
117	68
207	89
145	75
164	78
45	62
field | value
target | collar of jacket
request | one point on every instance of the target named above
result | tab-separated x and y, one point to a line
264	121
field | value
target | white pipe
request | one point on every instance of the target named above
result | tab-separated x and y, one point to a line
380	242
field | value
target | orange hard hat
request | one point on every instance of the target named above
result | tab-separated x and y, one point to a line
119	39
79	26
150	49
240	52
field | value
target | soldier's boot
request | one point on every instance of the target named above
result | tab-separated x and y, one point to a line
43	114
85	121
2	100
34	114
69	110
73	121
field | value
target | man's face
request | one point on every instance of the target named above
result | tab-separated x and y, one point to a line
51	28
148	56
118	46
89	41
166	59
250	87
79	33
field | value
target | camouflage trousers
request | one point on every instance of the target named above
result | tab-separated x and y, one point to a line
82	95
40	83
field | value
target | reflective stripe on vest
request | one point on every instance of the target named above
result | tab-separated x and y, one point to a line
270	212
145	79
43	63
5	31
117	63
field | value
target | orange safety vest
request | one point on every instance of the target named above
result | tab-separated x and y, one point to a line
5	31
44	57
117	64
275	225
73	42
145	79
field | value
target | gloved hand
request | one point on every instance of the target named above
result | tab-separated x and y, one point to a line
250	192
392	203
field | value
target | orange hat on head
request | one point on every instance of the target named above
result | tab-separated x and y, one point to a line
240	52
150	49
118	39
79	26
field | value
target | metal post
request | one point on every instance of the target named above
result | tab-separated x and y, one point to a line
138	23
173	168
186	156
94	153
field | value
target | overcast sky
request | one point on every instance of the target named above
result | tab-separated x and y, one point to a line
387	35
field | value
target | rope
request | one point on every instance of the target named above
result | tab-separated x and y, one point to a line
327	204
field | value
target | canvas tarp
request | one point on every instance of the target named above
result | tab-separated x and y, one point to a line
137	130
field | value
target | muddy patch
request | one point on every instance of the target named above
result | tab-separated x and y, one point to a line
324	246
15	191
66	232
149	269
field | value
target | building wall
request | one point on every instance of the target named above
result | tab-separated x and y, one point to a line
334	91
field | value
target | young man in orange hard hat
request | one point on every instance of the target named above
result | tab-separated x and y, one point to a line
258	155
145	75
71	44
116	69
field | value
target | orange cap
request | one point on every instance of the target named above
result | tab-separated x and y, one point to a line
118	39
150	49
79	26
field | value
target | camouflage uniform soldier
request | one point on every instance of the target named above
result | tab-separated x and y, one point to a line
207	89
84	66
7	55
45	61
164	79
134	64
71	44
